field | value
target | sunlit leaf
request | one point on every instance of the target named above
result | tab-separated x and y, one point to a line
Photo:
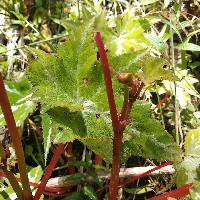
188	46
188	167
147	2
19	94
153	69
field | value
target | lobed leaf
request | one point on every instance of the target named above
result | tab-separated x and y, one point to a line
146	137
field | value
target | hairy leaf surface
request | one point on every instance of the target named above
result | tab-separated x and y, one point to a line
146	137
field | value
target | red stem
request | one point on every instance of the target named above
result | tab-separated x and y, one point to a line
13	181
118	134
9	118
135	178
58	151
178	193
47	189
108	82
98	160
69	152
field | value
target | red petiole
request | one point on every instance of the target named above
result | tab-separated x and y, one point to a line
118	122
9	118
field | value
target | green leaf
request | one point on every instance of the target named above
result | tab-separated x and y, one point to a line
74	177
8	194
185	88
126	62
188	46
71	88
195	191
35	174
156	41
64	84
90	126
19	94
146	137
153	69
74	196
2	48
188	167
67	78
129	34
89	191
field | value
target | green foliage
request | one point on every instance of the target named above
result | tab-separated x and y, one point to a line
195	191
153	70
34	175
74	196
187	169
146	137
90	192
185	88
70	87
188	46
71	75
19	94
129	34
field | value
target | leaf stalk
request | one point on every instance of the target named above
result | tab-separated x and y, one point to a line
9	118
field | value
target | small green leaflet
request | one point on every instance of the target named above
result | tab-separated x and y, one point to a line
186	170
153	70
186	46
89	191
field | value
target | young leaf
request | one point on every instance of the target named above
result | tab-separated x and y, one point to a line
186	46
153	70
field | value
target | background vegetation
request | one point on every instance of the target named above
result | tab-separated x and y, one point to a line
167	29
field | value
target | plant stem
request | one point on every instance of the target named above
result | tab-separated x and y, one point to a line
58	151
135	178
118	134
175	87
15	185
69	152
180	192
98	160
108	82
160	107
39	149
9	118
